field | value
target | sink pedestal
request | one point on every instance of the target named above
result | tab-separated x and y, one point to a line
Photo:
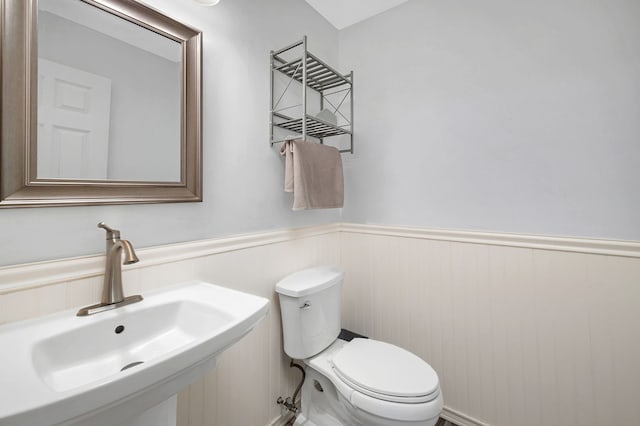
163	414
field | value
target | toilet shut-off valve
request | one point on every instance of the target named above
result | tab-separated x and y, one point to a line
289	403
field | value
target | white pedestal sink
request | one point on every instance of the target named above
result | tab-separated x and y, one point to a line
121	367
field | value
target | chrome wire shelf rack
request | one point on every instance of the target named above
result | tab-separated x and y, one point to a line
311	72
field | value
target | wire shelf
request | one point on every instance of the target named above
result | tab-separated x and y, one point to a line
311	72
320	76
316	128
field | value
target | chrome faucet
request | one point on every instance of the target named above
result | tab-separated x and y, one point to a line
112	293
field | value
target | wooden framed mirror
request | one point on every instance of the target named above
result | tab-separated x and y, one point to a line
101	104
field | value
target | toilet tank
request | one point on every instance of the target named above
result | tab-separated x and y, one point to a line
310	304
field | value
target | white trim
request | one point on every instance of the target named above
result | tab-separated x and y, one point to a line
579	245
32	275
280	420
460	419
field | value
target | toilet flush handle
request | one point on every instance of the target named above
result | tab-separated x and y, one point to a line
306	305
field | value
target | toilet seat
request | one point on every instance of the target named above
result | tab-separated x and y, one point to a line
385	372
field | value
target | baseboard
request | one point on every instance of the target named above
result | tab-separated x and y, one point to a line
460	419
280	420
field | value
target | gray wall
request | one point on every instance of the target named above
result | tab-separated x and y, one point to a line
243	175
501	116
498	115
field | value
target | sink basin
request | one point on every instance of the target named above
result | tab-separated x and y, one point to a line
92	352
106	368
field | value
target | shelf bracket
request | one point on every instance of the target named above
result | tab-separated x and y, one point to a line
287	88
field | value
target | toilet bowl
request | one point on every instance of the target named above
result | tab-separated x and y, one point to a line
360	382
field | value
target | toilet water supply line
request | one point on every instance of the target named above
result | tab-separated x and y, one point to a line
290	402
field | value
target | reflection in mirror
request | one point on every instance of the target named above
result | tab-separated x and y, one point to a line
109	97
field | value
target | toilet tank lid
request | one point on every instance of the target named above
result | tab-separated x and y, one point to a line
308	281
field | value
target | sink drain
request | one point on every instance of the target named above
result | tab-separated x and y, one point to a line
133	364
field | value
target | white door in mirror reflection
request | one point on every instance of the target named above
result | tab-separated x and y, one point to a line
73	122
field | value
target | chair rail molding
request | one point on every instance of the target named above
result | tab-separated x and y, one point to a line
15	278
39	274
569	244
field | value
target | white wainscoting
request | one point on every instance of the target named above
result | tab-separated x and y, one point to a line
523	331
250	376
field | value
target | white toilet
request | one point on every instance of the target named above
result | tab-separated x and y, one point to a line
361	382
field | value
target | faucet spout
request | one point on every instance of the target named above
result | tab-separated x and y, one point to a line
112	291
129	253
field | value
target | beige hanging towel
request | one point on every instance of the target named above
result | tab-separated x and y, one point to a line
313	172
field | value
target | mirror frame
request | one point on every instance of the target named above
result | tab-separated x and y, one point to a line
19	186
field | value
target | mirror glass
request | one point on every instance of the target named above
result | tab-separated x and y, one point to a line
109	97
101	104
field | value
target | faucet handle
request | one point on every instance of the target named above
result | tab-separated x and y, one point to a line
112	234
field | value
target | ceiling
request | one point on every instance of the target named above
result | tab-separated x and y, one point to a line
342	13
